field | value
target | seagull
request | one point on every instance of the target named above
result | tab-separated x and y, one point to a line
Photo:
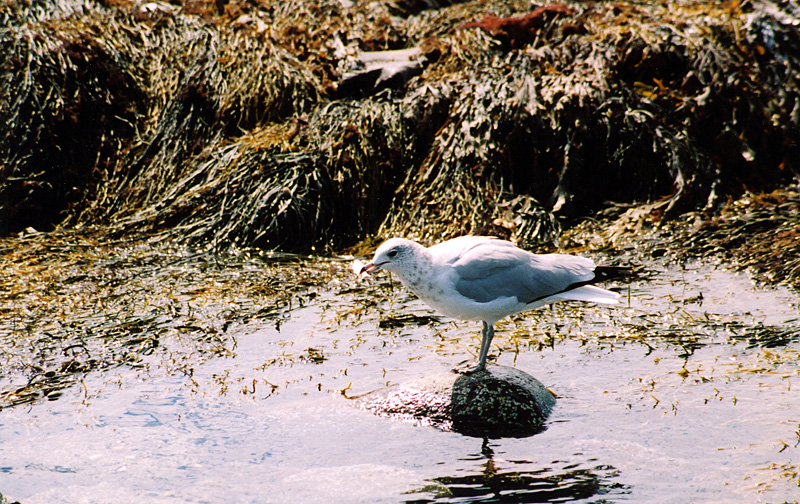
487	279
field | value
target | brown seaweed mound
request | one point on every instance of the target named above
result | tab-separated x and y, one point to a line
222	121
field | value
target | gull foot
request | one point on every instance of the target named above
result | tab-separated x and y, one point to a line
469	369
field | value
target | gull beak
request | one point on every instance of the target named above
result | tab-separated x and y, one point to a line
361	269
368	268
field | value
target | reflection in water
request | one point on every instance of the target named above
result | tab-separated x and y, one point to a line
567	484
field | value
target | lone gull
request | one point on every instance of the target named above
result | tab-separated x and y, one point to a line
485	278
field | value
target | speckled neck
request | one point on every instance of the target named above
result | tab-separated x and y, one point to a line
417	278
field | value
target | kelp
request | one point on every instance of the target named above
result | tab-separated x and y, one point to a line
617	103
234	82
15	13
67	108
759	233
265	191
114	104
221	121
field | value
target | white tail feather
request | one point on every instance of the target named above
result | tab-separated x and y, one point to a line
588	293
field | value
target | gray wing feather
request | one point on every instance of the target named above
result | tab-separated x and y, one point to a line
498	269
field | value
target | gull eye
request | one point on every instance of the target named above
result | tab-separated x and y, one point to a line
392	253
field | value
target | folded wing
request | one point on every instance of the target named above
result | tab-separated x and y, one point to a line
495	269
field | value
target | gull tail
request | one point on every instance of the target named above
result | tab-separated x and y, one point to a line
585	291
588	293
604	273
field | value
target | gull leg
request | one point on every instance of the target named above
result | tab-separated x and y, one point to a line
486	339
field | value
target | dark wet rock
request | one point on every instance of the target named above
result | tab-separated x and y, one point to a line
4	500
498	402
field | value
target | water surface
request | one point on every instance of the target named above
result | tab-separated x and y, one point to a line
681	394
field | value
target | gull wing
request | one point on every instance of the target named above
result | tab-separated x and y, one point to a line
495	269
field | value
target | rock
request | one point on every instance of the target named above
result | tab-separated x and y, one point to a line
498	402
381	70
4	500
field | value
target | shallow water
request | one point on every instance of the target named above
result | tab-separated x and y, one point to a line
669	397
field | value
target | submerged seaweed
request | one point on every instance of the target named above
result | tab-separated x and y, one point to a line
71	304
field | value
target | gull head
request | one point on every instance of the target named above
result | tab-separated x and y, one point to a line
395	255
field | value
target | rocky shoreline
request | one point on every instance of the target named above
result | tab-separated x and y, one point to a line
240	123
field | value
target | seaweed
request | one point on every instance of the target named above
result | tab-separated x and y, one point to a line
68	106
759	233
614	106
168	119
72	304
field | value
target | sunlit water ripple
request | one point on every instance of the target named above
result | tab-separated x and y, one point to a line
664	399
